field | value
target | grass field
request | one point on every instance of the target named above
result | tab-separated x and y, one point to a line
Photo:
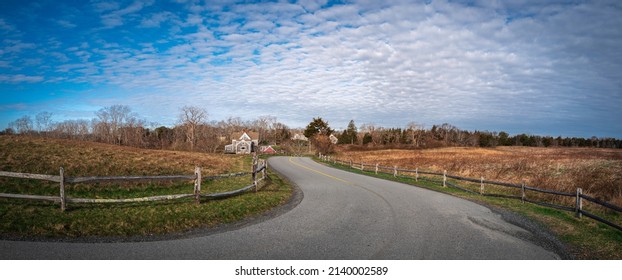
24	218
597	171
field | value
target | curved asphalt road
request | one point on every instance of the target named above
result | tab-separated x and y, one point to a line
342	216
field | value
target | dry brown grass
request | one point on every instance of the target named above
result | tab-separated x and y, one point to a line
597	171
79	158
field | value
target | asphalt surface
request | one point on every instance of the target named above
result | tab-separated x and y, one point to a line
342	216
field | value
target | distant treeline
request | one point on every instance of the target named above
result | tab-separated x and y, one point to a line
447	135
119	125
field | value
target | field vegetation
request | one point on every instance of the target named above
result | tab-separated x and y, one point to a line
25	218
597	171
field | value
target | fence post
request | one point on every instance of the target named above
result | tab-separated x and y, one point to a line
265	169
522	188
351	164
376	168
63	204
417	174
481	186
395	171
362	167
197	184
579	205
254	172
444	178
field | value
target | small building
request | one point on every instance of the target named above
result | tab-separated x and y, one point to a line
244	142
300	137
267	150
333	139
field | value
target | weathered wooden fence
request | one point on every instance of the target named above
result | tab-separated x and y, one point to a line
577	196
259	166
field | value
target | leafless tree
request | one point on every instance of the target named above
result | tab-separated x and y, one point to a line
110	120
190	118
265	127
74	129
416	132
281	133
372	130
22	125
44	121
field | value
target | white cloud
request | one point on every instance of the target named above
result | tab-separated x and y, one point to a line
312	5
65	23
155	20
19	78
103	6
6	27
16	46
115	17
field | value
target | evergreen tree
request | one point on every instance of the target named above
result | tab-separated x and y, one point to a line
318	133
352	132
367	138
317	127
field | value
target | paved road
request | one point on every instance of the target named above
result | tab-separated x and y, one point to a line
342	216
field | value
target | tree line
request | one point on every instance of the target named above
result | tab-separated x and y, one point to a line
119	125
446	135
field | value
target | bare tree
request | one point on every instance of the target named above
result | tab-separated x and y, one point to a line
110	120
415	133
22	125
265	127
190	118
44	121
281	133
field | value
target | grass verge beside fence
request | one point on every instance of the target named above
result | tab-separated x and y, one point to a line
34	219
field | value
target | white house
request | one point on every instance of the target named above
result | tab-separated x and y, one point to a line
244	142
299	136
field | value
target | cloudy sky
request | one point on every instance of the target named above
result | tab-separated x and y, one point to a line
537	67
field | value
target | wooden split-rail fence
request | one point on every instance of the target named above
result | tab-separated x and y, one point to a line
259	167
577	196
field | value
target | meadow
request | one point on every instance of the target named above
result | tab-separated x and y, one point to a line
26	218
597	171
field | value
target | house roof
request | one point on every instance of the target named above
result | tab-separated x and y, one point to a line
238	135
268	149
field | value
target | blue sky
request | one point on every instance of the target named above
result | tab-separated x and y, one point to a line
538	67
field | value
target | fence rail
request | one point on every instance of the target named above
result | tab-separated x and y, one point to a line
52	178
259	166
128	178
579	196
